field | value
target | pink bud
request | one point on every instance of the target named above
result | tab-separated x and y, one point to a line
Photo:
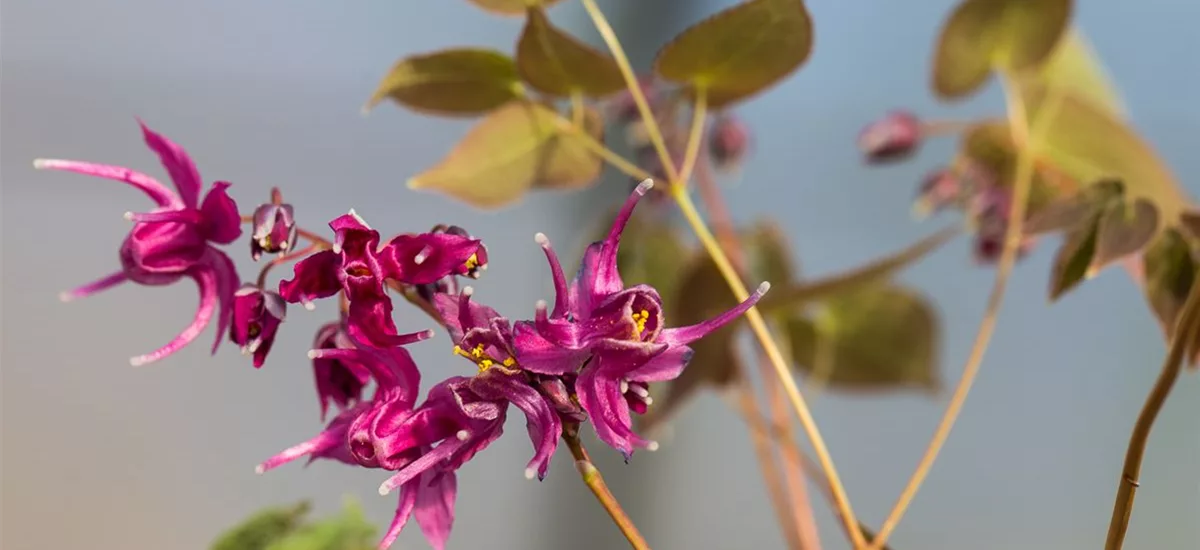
893	137
728	142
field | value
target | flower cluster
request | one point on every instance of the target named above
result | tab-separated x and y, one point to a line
588	358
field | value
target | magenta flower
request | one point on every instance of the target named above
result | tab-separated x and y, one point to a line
339	380
173	240
893	137
257	314
728	142
360	268
612	336
274	230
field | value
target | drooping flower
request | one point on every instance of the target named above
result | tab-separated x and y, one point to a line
893	137
728	142
257	314
612	336
990	212
339	380
274	229
172	241
449	283
358	266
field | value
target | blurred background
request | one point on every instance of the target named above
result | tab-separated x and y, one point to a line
99	455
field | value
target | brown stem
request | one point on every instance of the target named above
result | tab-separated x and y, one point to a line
312	237
1185	329
802	520
762	440
290	256
592	478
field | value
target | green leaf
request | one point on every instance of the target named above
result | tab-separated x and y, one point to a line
877	337
1076	209
513	149
1125	228
982	35
461	81
804	292
263	528
1189	223
1091	144
349	530
1169	271
769	256
740	51
557	63
1072	259
988	146
512	7
1074	68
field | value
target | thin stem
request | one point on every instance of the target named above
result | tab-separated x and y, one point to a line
1185	329
577	112
762	441
285	258
597	148
594	481
635	89
757	324
694	139
1019	126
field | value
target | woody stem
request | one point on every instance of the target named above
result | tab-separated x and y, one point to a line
595	482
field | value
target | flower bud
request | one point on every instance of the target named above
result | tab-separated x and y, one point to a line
728	142
893	137
940	189
274	230
556	391
257	314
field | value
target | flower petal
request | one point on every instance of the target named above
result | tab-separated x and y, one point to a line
370	321
682	336
460	314
222	223
562	297
435	507
665	366
161	196
93	287
601	398
419	466
537	354
314	277
330	443
178	164
541	420
210	294
607	278
408	500
425	258
227	282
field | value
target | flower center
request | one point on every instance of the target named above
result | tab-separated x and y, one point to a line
473	261
481	359
639	320
358	271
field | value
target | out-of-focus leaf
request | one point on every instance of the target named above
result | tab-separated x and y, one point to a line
803	292
981	35
1072	259
1169	272
878	337
557	63
1125	228
1091	144
349	530
988	147
1074	210
515	148
460	81
512	7
1074	68
769	256
652	252
1189	223
740	51
263	528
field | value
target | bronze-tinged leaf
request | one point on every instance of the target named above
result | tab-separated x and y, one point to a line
1091	144
557	63
800	293
461	81
982	35
1074	210
1125	228
1169	272
769	255
1189	223
740	51
512	7
1074	68
513	149
876	338
1072	259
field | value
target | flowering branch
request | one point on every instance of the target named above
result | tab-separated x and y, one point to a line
594	481
1185	332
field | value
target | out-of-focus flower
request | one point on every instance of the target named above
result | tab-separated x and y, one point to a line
172	241
274	230
893	137
257	314
612	336
728	142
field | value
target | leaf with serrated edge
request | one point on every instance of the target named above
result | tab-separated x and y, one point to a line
981	35
557	63
512	7
796	294
879	337
1169	272
460	81
515	148
740	51
1072	260
1124	229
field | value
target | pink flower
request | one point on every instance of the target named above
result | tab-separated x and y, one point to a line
893	137
172	241
257	314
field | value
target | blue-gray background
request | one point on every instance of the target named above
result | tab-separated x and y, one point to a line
100	455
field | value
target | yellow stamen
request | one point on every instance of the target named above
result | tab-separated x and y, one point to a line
478	351
473	261
484	364
640	319
510	362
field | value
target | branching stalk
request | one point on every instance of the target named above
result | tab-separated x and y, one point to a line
595	482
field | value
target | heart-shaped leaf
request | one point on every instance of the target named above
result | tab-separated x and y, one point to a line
264	527
559	64
515	148
1125	228
769	256
877	337
512	7
461	81
740	51
800	293
1073	258
1169	271
1076	209
982	35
